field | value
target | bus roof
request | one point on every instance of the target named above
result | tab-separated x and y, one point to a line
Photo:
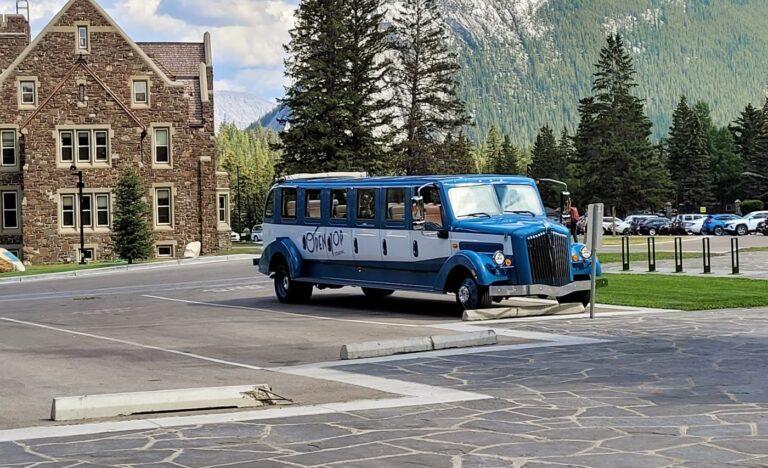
397	181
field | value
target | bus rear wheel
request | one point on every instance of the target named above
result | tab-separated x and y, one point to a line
289	291
470	295
374	293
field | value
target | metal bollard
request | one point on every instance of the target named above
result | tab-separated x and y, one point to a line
625	253
735	255
678	254
706	255
651	254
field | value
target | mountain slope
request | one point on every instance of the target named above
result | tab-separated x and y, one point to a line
241	109
528	62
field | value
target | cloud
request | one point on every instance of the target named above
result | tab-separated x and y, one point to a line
247	35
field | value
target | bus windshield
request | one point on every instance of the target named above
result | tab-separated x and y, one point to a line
519	199
474	201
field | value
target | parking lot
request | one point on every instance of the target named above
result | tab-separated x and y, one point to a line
633	388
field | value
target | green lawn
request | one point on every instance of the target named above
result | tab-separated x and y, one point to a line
683	292
641	258
634	240
60	268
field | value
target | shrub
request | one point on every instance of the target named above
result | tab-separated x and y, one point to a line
748	206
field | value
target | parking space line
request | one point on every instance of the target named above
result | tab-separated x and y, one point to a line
132	343
291	314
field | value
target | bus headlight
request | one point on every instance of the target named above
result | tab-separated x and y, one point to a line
586	253
498	258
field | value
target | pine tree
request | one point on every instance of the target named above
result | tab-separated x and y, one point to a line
694	187
457	155
546	162
131	237
679	135
507	163
617	162
758	163
425	85
726	167
747	130
492	149
566	155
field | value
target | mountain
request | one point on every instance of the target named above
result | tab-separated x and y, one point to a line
242	109
528	62
274	118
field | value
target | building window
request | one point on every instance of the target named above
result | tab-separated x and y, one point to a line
162	147
10	210
68	211
86	213
101	144
8	147
81	93
84	146
102	210
28	93
165	251
67	146
82	37
88	254
163	207
224	209
141	92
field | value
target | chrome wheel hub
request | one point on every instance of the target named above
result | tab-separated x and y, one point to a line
464	294
286	283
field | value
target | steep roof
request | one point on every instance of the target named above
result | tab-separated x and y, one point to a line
181	59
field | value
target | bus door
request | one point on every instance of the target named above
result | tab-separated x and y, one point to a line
396	236
366	237
338	231
430	243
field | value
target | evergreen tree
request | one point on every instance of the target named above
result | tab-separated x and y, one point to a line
679	135
131	237
566	155
338	116
425	87
694	187
617	162
458	155
509	156
546	162
725	163
492	149
757	164
746	132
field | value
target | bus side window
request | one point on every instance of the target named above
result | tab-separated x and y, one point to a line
366	204
339	204
433	209
269	207
396	204
288	209
312	204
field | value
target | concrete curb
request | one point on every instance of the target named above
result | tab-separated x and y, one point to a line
123	268
372	349
124	404
512	312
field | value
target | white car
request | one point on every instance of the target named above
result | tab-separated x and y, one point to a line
696	226
747	224
257	233
235	237
609	222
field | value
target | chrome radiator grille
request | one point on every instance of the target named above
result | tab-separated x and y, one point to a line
549	259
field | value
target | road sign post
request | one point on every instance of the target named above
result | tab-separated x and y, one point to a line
594	242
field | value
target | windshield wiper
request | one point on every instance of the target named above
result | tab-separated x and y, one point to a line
475	215
521	212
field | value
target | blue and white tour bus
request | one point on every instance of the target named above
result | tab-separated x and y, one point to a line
483	238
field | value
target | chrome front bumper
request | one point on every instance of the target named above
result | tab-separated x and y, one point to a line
540	289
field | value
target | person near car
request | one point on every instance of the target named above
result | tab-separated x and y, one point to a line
573	214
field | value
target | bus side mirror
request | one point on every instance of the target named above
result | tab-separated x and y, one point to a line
417	213
564	196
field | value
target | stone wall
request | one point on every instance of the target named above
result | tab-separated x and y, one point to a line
14	37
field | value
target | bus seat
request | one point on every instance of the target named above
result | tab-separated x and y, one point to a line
396	211
340	211
290	209
314	209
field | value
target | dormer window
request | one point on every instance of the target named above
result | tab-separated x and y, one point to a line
82	38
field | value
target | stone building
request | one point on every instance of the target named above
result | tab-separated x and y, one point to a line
85	97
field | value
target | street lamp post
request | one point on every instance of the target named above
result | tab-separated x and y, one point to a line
80	187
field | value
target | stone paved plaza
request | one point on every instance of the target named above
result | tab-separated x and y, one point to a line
675	389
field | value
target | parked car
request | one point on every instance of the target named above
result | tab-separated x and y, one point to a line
697	226
634	222
682	224
609	223
715	224
235	237
747	224
655	226
257	233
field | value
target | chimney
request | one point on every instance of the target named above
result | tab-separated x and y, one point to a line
15	34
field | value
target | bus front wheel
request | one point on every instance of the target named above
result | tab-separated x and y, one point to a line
289	291
471	295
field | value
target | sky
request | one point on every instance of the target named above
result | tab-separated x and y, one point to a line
247	35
